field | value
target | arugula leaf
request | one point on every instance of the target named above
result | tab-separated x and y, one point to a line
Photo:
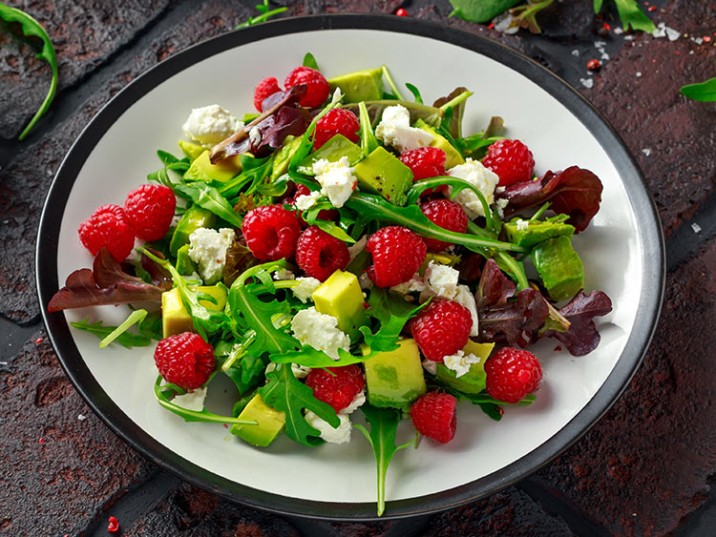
135	317
30	29
415	91
526	16
286	393
128	340
310	61
393	312
165	392
702	91
210	199
482	11
391	83
381	437
368	141
632	16
266	14
307	356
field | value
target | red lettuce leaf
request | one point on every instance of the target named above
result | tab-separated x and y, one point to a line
106	283
574	191
506	316
582	336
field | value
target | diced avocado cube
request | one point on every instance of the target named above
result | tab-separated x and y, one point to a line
190	149
382	173
559	267
527	233
341	296
176	318
452	155
202	169
283	157
332	151
395	378
194	218
269	423
473	381
366	85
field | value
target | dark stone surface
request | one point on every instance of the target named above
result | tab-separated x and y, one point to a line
640	471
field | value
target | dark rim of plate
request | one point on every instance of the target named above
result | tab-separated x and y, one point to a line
74	366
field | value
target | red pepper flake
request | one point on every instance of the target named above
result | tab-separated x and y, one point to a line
226	425
558	348
41	440
594	65
491	26
401	12
707	39
113	525
39	340
606	26
652	8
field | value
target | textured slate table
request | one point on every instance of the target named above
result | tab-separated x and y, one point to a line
644	469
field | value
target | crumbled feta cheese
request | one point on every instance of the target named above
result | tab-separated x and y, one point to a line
283	274
305	288
484	179
430	366
336	179
207	248
465	298
306	201
357	402
522	224
394	129
210	125
442	280
320	331
254	136
587	82
460	362
500	204
339	435
193	400
414	284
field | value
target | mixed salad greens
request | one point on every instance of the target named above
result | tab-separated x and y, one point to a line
515	263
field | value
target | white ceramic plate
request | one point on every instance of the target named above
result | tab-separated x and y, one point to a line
622	251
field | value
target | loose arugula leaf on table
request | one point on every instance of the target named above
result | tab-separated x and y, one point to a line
383	424
31	29
286	393
482	11
266	14
393	312
630	15
164	394
701	91
526	16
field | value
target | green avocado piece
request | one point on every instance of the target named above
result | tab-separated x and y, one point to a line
452	155
283	156
201	169
341	296
185	266
190	149
559	267
366	85
395	378
382	173
194	218
332	151
269	423
473	381
529	233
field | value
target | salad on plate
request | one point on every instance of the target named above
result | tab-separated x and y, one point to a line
348	259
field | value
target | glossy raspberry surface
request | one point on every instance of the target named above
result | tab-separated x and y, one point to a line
435	415
336	121
151	210
336	386
511	160
397	254
271	232
264	89
109	226
446	214
185	360
512	374
317	87
441	329
424	162
319	254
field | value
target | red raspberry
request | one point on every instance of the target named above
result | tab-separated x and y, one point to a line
317	87
397	255
446	214
512	374
271	232
336	121
424	162
185	360
434	415
441	329
109	226
264	89
511	160
151	209
336	386
319	254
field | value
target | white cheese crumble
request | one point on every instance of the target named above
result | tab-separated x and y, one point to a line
283	274
483	178
522	225
336	179
306	201
320	331
465	298
460	362
305	288
210	125
357	402
207	248
442	281
414	284
394	129
193	400
339	435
